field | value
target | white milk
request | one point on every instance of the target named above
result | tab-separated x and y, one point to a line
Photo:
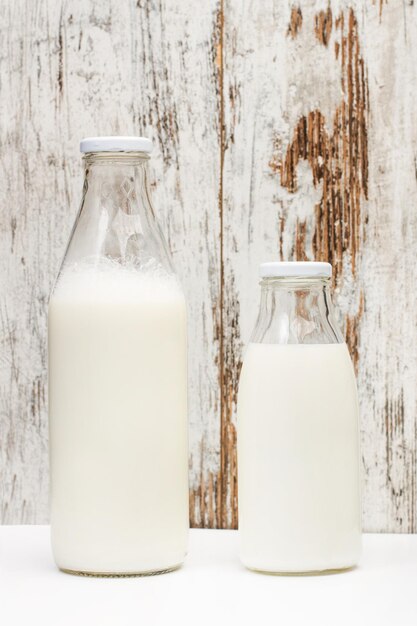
118	421
298	458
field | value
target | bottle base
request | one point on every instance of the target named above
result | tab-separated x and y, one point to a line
313	572
92	574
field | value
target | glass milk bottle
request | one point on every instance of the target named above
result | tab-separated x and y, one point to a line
298	442
117	378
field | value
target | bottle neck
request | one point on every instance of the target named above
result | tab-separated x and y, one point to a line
117	220
296	311
127	158
120	181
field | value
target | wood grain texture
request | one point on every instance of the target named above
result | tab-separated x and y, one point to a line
74	69
320	164
281	130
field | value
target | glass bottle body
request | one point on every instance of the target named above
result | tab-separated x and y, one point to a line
118	384
298	442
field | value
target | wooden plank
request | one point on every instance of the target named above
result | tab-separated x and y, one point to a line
388	328
320	164
75	69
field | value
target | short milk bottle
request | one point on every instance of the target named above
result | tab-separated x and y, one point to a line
117	378
298	441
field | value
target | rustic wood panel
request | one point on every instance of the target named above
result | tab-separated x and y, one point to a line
320	148
281	130
73	69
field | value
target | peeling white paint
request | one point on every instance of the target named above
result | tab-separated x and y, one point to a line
279	83
69	70
77	69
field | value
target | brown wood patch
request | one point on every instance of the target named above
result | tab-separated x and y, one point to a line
323	26
296	21
337	153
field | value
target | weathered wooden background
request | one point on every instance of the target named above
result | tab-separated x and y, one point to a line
281	130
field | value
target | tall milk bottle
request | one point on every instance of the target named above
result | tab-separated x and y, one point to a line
117	378
298	441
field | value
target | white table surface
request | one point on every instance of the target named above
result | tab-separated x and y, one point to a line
211	588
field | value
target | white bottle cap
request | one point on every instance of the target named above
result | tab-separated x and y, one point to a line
295	269
116	144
